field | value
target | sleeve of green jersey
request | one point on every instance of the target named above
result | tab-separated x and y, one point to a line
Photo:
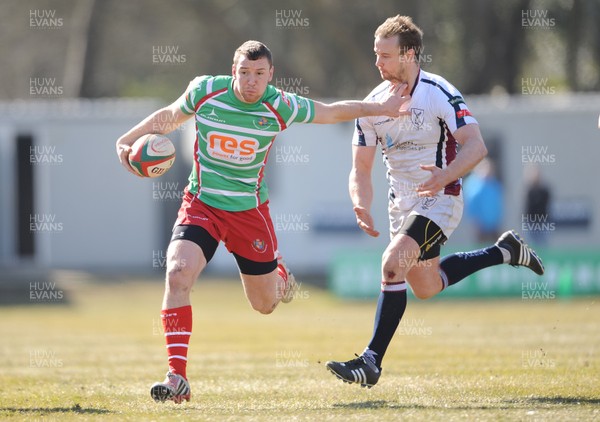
305	109
195	91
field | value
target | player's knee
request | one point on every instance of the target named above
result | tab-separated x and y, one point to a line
262	307
387	261
419	294
179	277
424	293
392	268
399	258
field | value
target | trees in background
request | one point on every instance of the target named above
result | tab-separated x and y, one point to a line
109	48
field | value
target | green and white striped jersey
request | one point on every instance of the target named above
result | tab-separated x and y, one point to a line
233	140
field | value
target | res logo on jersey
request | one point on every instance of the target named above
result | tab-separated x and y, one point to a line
232	148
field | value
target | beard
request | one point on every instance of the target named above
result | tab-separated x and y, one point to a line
394	78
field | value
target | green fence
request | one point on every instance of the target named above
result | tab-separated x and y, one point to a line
357	275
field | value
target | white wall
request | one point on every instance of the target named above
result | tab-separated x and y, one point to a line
112	220
103	216
568	127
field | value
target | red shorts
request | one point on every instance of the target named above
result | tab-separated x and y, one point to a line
249	233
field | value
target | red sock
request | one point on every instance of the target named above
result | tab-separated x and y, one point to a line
281	268
177	325
282	273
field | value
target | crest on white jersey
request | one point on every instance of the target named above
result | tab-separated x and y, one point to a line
417	116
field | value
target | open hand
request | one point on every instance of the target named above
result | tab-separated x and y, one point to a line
396	104
434	184
365	221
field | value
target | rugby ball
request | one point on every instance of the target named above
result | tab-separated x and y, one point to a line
152	155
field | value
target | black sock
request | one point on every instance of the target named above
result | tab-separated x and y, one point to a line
390	308
457	266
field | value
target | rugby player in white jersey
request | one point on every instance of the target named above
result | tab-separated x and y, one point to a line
424	170
237	118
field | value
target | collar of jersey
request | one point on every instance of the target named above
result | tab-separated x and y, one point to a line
416	83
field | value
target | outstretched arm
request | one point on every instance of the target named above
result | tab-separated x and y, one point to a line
342	111
162	121
361	188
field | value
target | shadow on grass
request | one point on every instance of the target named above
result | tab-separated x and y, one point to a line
563	400
77	409
382	404
371	404
518	403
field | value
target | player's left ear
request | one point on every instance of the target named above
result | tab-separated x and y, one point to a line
411	55
407	55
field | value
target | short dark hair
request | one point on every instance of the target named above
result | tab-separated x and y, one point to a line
253	50
409	34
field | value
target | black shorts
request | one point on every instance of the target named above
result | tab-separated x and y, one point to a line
209	244
426	233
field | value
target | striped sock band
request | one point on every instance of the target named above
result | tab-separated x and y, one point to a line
388	286
177	326
444	278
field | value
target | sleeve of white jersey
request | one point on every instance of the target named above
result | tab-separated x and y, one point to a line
452	108
364	134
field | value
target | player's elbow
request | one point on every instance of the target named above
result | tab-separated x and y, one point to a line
167	119
326	119
483	151
327	114
479	150
160	120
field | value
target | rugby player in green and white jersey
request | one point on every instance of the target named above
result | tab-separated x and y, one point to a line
237	118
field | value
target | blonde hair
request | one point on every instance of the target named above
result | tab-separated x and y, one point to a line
410	36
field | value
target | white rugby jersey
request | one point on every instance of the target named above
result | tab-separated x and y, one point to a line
425	137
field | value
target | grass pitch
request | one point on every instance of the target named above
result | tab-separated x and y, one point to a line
450	360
